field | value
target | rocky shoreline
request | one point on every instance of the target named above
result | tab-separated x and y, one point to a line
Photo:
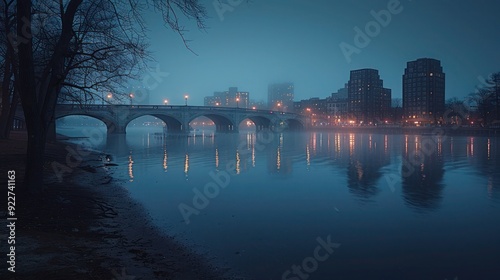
87	227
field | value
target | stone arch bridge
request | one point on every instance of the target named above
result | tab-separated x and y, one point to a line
177	118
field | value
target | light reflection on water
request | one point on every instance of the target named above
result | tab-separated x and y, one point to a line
402	206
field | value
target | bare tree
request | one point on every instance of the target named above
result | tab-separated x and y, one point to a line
456	110
486	100
8	100
87	47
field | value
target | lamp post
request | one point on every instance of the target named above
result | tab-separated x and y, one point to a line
186	99
109	96
131	95
237	102
310	116
165	102
279	106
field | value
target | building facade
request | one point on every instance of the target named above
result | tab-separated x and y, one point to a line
337	105
424	91
368	100
212	101
314	105
280	97
229	98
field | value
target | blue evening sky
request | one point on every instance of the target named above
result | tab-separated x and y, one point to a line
260	42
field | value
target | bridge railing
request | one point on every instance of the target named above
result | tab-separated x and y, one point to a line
169	107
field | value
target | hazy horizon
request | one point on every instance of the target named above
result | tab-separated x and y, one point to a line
259	43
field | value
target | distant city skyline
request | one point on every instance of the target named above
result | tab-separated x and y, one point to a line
259	43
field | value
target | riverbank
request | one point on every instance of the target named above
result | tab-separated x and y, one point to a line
444	130
87	227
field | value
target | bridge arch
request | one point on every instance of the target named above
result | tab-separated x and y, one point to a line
294	124
261	123
222	122
110	125
173	124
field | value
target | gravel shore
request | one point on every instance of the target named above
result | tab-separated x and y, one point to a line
86	226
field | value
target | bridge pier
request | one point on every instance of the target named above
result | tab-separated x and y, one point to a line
116	129
177	130
262	128
226	128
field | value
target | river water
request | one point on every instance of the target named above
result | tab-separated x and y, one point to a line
315	205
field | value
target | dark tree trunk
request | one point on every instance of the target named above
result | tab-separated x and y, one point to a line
29	98
7	118
35	156
39	106
8	104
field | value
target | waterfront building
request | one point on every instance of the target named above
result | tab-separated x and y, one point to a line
337	105
424	91
368	100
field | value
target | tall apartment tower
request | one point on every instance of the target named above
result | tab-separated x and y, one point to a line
368	100
424	91
280	97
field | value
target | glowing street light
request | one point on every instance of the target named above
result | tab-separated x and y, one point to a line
217	103
109	96
237	102
131	95
253	108
279	106
165	102
310	116
186	99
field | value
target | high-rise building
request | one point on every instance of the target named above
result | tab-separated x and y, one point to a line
280	97
212	101
424	91
257	105
368	100
229	98
242	99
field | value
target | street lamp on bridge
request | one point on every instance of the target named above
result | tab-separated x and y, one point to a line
165	102
186	99
237	102
109	96
131	95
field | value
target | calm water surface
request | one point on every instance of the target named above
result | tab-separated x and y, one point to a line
396	206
